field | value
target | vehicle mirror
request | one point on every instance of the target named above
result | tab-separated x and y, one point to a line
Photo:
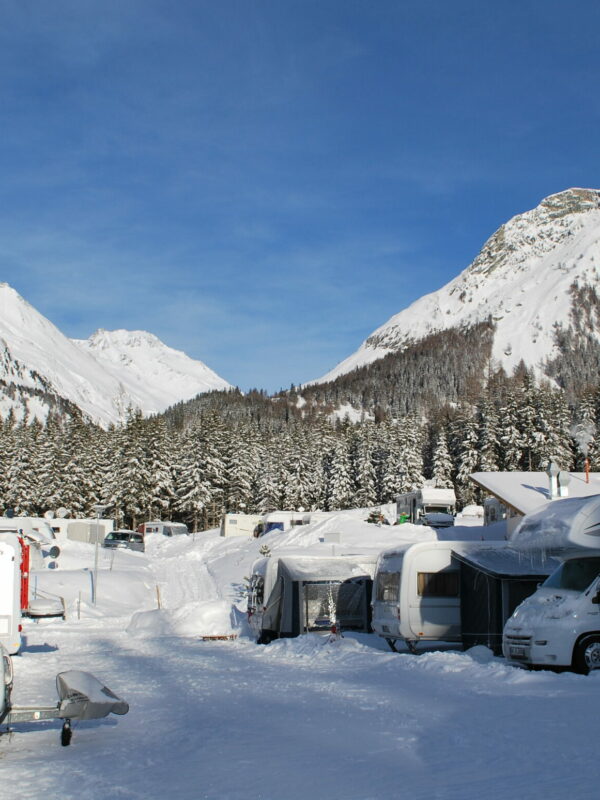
596	598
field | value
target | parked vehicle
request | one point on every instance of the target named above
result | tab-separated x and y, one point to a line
167	528
131	540
239	524
416	594
559	625
10	592
80	696
281	521
427	506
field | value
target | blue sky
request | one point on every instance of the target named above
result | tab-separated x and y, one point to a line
261	184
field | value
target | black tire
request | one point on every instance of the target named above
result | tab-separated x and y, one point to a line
586	658
66	734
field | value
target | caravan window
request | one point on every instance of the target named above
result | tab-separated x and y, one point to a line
388	587
437	584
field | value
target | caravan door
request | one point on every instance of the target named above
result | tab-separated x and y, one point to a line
434	601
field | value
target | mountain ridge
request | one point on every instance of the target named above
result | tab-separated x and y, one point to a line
42	370
559	240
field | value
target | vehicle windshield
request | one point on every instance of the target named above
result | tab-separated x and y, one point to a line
575	574
428	509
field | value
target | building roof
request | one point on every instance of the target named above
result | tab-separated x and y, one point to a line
525	492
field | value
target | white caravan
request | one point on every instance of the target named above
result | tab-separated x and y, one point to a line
81	529
10	593
165	527
559	625
427	506
240	524
416	594
282	521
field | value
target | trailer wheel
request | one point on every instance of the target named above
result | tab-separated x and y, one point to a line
587	655
66	734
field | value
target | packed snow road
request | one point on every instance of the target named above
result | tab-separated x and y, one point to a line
307	717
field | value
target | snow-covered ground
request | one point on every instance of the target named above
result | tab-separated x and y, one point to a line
307	717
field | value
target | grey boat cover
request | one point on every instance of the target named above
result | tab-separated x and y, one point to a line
82	696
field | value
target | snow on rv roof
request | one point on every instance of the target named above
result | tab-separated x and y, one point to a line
527	491
564	524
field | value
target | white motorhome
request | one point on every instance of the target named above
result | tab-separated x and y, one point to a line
10	593
416	594
427	506
239	524
559	625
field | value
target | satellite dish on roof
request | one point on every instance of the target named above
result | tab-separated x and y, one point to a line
49	514
61	512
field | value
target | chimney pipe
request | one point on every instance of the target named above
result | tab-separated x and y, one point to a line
564	478
552	471
586	465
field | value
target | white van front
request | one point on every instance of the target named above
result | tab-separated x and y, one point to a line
559	625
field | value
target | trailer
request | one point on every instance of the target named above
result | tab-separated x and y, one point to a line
164	527
239	524
427	506
81	696
281	521
416	594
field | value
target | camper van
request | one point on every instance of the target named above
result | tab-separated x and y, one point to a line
427	506
239	524
310	594
416	594
559	625
166	528
10	593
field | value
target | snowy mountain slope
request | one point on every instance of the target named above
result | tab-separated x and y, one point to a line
40	369
156	375
521	279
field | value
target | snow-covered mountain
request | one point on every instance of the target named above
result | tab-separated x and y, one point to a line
42	369
156	375
522	279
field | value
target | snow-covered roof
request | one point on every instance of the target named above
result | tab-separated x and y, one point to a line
313	568
528	491
502	561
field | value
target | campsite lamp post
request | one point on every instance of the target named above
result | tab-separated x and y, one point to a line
99	508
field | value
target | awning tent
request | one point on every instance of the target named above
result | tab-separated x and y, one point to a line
493	582
313	594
